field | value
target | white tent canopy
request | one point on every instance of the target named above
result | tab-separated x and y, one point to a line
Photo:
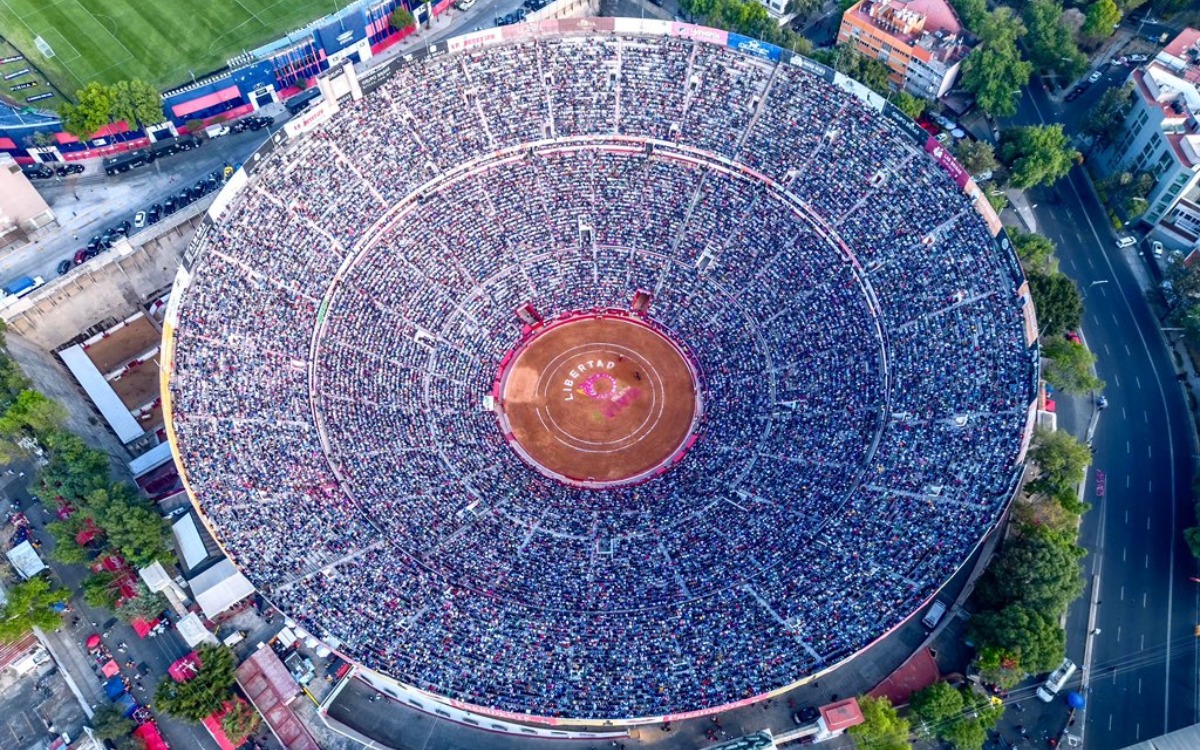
25	560
219	588
193	631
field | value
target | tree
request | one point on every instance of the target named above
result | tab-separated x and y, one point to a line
137	103
66	549
994	71
100	590
1069	366
1062	460
867	71
205	693
745	17
1035	251
1101	19
1029	636
935	705
976	157
910	105
1034	571
1106	119
92	111
108	723
239	721
965	734
130	525
1057	300
32	414
1191	535
402	18
1051	45
1036	155
30	603
145	606
74	469
972	12
882	727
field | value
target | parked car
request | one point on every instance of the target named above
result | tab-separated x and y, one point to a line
139	219
80	256
1095	76
65	265
154	214
1138	58
1126	240
1157	247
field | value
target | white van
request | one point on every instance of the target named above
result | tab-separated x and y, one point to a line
934	615
1056	680
1126	240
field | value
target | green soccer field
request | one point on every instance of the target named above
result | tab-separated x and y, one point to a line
159	42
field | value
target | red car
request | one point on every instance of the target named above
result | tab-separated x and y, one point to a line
80	256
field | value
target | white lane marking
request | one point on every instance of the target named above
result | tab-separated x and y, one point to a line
1143	607
1148	453
1128	447
1137	380
1127	487
1147	523
1122	588
1107	351
1118	641
1139	686
1127	350
1162	397
1117	381
1146	417
1147	565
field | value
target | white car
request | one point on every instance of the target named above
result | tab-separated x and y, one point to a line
943	138
1126	241
1157	247
1138	58
139	219
1094	77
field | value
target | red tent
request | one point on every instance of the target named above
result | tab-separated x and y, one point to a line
110	669
184	669
93	640
143	628
213	725
148	733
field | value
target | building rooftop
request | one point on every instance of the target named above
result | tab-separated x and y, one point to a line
1182	55
929	24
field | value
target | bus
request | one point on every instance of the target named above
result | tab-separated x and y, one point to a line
1056	680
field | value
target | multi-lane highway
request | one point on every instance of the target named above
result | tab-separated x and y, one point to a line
1144	658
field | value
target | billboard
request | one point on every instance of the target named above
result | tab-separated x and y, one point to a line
700	33
905	124
824	72
191	254
342	33
752	46
946	161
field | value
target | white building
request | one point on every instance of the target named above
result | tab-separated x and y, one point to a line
1160	134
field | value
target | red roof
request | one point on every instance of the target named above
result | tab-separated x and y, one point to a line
10	652
917	673
148	733
1177	46
213	725
842	715
266	682
204	102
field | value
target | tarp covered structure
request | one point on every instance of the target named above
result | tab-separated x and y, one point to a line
148	733
25	560
219	588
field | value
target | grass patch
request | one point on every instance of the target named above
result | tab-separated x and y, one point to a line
111	40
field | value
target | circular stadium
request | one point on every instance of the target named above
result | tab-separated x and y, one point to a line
600	370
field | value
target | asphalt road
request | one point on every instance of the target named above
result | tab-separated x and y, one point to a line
1144	666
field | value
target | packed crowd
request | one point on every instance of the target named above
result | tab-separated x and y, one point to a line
864	372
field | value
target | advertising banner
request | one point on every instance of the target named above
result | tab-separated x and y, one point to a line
566	25
905	124
700	33
475	40
377	76
752	46
824	72
947	162
340	34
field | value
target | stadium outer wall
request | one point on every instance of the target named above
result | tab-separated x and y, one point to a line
339	84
